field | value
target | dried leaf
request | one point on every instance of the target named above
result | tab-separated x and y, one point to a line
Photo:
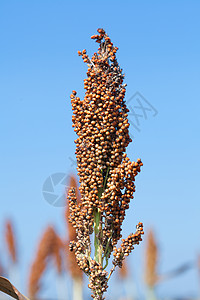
9	289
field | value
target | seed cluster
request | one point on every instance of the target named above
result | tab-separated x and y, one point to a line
98	279
106	173
72	266
127	245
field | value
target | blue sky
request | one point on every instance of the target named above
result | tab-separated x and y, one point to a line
159	52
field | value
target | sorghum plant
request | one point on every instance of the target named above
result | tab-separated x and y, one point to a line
151	261
106	173
49	246
151	276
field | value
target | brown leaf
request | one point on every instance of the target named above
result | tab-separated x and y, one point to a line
9	289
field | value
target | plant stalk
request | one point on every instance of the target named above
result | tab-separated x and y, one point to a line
97	243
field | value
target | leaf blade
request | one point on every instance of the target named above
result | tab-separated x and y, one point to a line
8	288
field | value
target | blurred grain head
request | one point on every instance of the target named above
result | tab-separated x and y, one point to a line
10	240
151	258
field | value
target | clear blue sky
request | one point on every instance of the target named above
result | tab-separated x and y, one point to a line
159	50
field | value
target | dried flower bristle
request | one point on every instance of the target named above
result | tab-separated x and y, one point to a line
10	241
151	276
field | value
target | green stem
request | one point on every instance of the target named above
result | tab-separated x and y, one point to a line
106	264
97	216
97	226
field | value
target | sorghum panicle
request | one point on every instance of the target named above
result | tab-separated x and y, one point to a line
50	245
151	276
106	173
